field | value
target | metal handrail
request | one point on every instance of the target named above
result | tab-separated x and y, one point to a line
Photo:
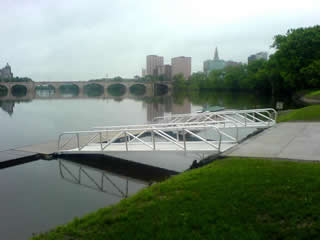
152	129
176	117
154	125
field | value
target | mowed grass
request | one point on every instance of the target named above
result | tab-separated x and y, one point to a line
313	94
310	113
232	198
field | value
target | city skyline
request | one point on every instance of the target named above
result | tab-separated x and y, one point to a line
80	40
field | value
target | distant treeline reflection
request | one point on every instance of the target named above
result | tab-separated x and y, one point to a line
232	100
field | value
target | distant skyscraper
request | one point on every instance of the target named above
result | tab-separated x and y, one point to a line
153	61
216	55
214	64
181	65
257	56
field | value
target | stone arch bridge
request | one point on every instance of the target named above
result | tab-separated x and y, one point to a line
32	86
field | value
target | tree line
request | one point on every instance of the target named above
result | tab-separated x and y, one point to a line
295	65
16	79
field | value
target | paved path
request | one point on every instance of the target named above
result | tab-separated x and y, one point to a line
295	140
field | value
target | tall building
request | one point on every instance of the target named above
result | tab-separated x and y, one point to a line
181	65
257	56
6	72
216	54
153	61
165	70
213	64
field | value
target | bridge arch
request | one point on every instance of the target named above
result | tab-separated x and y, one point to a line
45	90
117	89
138	89
19	90
160	89
3	91
69	90
93	90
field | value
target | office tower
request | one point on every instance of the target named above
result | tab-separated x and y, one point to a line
153	61
181	65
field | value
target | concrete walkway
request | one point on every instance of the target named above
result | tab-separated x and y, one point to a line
295	140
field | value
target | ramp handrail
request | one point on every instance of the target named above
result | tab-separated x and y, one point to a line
178	124
153	130
247	116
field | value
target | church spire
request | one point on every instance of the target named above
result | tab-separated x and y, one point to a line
216	54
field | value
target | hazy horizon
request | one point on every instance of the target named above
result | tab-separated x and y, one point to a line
80	40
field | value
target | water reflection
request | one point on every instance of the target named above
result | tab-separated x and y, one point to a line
115	177
45	92
7	106
93	178
155	105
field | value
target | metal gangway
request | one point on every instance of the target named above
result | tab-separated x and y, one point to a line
255	118
202	136
181	132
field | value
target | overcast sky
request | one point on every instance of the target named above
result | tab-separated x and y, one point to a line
58	40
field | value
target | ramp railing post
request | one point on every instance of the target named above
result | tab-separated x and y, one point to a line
100	135
220	138
126	137
152	139
184	139
78	141
245	119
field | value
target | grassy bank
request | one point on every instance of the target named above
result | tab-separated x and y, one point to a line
310	113
313	95
228	199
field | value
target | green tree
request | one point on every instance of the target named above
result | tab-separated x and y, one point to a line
179	81
216	79
296	54
234	77
118	79
197	80
312	73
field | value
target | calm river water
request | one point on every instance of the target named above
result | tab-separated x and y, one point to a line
39	195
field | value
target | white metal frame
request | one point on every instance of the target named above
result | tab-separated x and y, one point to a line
106	138
160	139
260	118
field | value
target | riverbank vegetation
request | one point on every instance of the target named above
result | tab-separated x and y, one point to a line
295	65
16	79
313	95
310	113
227	199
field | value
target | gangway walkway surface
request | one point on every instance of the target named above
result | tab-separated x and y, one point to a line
179	137
171	133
